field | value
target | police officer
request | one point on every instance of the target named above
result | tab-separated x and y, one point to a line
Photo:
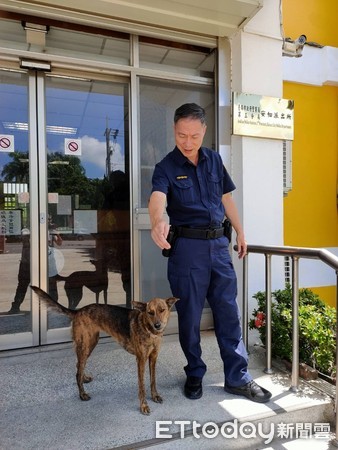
192	181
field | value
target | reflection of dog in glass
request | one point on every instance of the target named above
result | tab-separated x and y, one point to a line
95	280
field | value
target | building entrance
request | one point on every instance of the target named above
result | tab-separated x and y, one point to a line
81	129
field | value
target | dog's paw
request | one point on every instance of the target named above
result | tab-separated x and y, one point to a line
157	398
145	409
84	396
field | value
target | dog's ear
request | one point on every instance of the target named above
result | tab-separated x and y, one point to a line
171	301
141	306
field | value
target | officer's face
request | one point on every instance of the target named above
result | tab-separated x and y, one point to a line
189	134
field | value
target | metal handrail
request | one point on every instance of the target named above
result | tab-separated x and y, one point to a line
295	253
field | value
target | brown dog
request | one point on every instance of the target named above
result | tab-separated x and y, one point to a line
139	331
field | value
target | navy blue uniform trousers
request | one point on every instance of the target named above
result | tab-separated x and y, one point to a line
198	270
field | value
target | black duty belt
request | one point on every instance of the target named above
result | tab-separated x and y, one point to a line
200	233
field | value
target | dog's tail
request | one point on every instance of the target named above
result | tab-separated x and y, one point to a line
51	303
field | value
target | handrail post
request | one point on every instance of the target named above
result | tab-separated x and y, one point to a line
335	441
295	325
245	302
268	314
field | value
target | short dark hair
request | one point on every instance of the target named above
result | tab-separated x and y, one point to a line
191	110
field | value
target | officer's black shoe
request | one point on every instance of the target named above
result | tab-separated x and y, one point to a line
251	390
193	388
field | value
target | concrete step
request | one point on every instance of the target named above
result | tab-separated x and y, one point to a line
302	420
239	424
40	407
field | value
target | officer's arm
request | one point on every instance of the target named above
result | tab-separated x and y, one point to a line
232	214
159	227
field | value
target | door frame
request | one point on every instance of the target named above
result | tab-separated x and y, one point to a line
38	193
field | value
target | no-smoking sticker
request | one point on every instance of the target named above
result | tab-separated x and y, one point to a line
6	143
73	147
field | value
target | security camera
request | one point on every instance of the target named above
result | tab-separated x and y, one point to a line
301	40
294	48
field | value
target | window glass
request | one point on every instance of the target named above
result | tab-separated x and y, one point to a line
186	59
88	46
158	102
72	43
15	305
88	193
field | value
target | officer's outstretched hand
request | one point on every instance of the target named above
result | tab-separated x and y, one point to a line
159	234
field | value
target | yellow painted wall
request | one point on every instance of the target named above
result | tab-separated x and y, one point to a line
326	293
310	209
317	19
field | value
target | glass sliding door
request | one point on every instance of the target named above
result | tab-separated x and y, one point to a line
64	200
88	195
15	249
158	102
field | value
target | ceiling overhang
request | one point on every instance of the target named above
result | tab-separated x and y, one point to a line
211	18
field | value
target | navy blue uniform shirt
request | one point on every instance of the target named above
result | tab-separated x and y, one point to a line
194	193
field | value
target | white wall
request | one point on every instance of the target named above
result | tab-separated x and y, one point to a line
317	67
257	164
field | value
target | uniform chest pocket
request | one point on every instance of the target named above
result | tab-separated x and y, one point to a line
184	190
215	186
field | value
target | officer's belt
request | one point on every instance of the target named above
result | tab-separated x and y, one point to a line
199	233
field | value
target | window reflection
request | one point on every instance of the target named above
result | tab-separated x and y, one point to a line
15	304
173	56
88	186
158	100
